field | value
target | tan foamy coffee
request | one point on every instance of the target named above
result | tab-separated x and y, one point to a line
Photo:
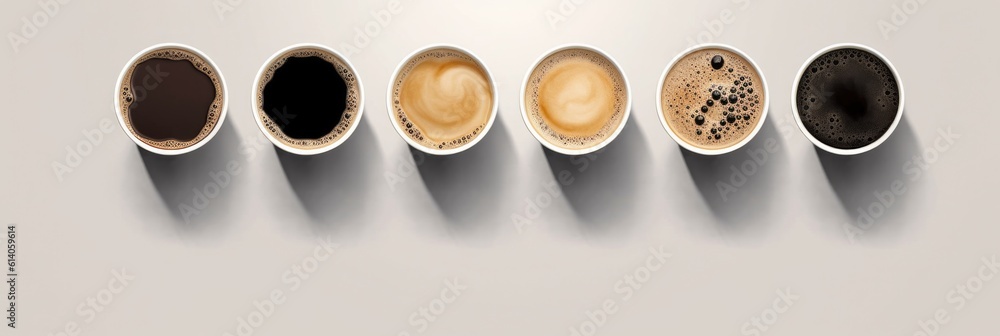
712	99
170	99
575	100
442	99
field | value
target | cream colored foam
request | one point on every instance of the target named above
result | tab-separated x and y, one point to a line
443	98
447	98
575	98
687	87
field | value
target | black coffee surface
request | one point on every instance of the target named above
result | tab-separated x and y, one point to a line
847	98
306	97
173	100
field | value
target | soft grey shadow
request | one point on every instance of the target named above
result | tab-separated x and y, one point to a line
601	187
333	188
864	182
196	187
467	187
740	186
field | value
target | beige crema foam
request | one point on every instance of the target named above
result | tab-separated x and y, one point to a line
575	98
699	116
442	99
351	110
127	96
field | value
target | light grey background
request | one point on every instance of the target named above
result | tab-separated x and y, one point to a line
452	218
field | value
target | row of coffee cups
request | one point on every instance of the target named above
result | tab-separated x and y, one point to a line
308	99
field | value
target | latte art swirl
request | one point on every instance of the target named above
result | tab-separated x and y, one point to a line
447	98
576	98
442	99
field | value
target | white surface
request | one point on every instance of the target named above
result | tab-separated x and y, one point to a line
452	218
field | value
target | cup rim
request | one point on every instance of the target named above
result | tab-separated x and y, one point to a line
314	151
132	62
591	149
434	151
841	151
721	151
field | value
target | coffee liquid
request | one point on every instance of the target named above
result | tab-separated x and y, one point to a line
308	98
847	98
713	98
442	99
171	99
576	98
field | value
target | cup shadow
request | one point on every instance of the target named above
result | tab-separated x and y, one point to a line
862	181
333	188
739	187
601	187
196	187
467	187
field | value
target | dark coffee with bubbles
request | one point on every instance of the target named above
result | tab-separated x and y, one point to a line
848	98
171	98
308	98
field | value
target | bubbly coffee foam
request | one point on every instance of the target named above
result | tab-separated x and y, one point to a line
847	98
442	98
576	98
351	109
712	98
127	98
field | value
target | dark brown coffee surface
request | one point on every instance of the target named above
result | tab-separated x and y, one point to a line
176	101
848	98
171	98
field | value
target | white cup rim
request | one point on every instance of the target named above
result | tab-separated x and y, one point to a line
121	119
721	151
582	151
399	128
329	146
841	151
